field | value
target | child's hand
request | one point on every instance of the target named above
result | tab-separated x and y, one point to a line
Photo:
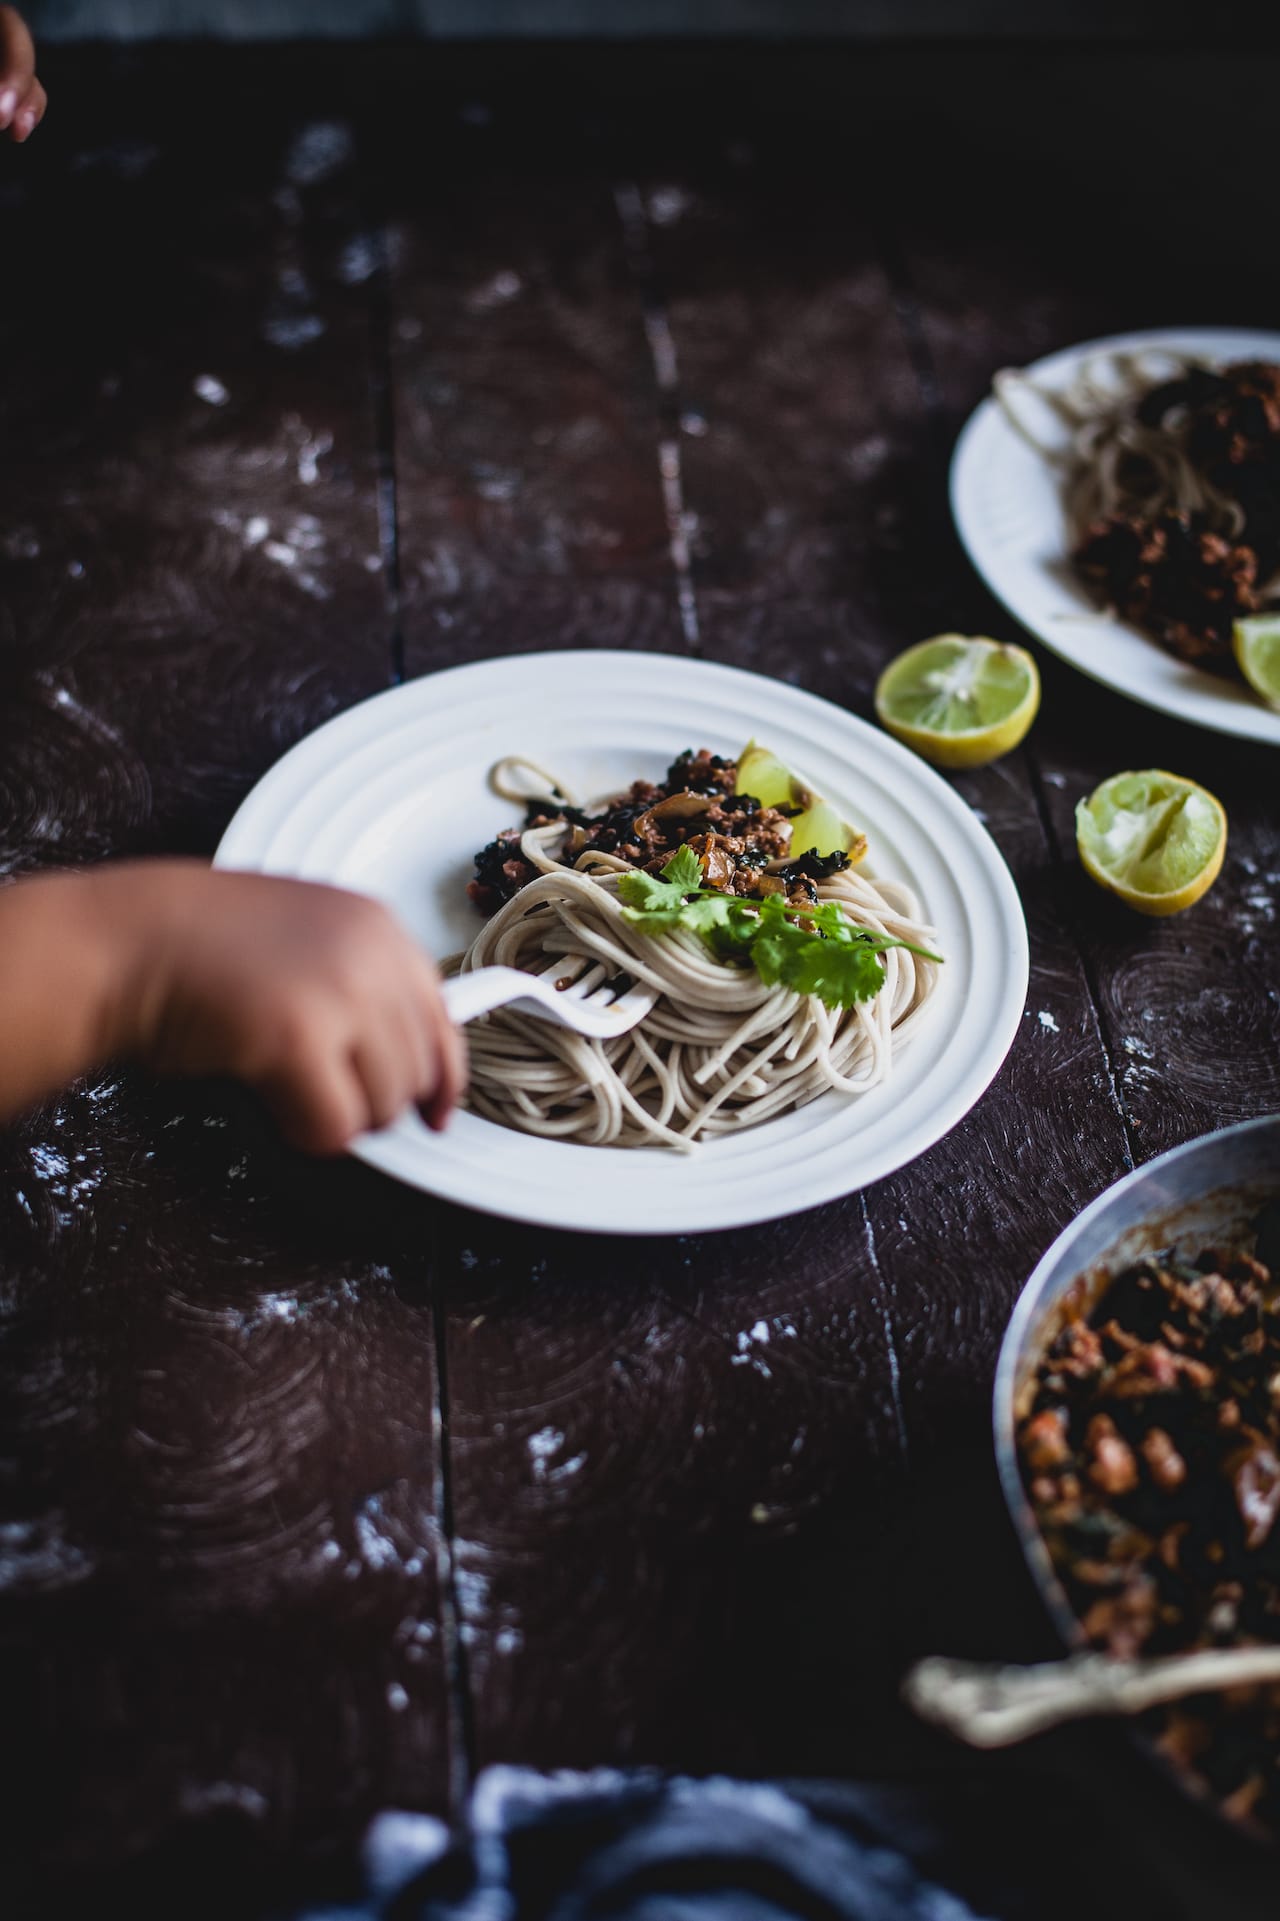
315	997
22	98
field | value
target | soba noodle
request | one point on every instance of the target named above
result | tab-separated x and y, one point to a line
1111	461
720	1051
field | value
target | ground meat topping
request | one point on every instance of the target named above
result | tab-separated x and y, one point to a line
1111	1463
1173	577
500	872
1234	416
1255	1476
1167	1467
1150	1447
1044	1440
742	846
1185	577
701	773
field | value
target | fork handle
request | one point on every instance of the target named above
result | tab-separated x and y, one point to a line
468	995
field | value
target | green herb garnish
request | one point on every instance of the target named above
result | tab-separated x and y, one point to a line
812	949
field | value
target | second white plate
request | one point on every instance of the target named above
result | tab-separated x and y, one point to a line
1007	505
392	799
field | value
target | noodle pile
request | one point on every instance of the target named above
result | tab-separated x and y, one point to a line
1113	462
1170	473
719	1051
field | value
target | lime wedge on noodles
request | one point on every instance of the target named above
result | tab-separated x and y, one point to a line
817	828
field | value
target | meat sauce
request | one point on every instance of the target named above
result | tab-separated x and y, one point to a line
742	847
1174	576
1151	1453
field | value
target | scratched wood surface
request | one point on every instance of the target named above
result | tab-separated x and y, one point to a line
318	1495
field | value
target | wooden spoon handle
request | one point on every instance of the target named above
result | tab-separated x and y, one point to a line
993	1707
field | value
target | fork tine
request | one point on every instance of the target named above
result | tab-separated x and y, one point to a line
594	1009
607	994
563	967
585	980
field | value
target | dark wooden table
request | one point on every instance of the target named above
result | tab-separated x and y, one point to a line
323	369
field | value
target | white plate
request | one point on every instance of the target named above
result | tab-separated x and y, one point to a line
392	799
1007	505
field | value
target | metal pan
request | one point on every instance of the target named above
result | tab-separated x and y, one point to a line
1209	1191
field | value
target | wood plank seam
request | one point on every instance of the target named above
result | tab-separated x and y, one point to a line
1102	1027
920	355
890	1334
459	1737
666	373
378	286
461	1743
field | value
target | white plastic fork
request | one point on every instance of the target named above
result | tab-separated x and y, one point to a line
572	992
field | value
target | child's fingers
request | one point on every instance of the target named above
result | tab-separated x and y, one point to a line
320	1103
17	50
416	1049
439	1097
456	1064
17	66
30	113
386	1077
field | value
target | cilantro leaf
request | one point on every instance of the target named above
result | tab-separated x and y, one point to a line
812	948
660	899
739	929
649	899
683	870
656	905
839	972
